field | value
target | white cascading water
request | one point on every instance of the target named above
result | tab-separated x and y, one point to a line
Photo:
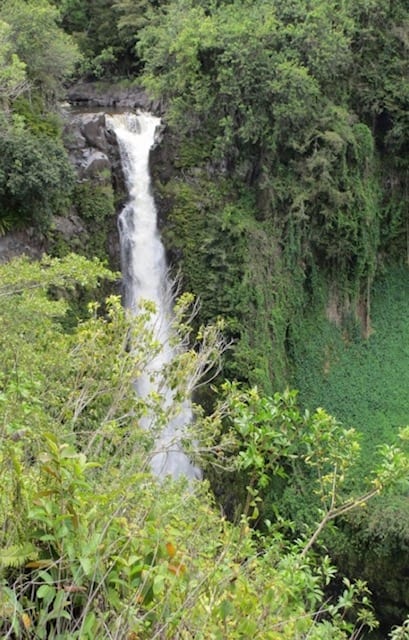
144	273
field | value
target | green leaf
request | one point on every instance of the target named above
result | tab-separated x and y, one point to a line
47	593
88	565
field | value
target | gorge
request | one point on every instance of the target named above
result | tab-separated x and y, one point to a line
280	181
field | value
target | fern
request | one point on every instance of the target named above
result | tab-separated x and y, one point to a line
17	555
7	222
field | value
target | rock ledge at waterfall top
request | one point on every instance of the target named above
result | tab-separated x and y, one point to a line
92	94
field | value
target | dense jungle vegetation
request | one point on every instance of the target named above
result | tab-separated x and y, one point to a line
282	180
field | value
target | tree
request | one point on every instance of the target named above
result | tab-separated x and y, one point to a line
36	178
318	457
105	32
12	70
48	53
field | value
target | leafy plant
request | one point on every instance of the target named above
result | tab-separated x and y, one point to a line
36	178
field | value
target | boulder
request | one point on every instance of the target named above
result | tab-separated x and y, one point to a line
93	149
17	243
95	164
73	137
68	227
93	129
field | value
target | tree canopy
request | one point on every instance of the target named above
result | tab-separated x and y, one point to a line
35	37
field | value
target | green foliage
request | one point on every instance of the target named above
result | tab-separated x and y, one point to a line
32	114
314	451
401	632
74	15
36	57
91	544
36	178
213	231
265	96
380	44
373	543
48	54
94	201
105	32
12	69
363	381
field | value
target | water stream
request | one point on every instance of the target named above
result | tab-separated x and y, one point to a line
144	271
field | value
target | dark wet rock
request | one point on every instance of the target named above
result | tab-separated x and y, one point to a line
19	243
110	96
95	165
93	129
68	227
93	148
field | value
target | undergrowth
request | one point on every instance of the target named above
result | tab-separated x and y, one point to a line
91	545
361	381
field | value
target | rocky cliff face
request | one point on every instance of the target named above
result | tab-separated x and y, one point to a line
18	243
94	152
89	226
108	96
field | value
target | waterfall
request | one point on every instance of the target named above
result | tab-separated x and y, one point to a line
144	271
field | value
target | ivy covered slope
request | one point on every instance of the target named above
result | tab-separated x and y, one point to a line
92	546
288	132
364	383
